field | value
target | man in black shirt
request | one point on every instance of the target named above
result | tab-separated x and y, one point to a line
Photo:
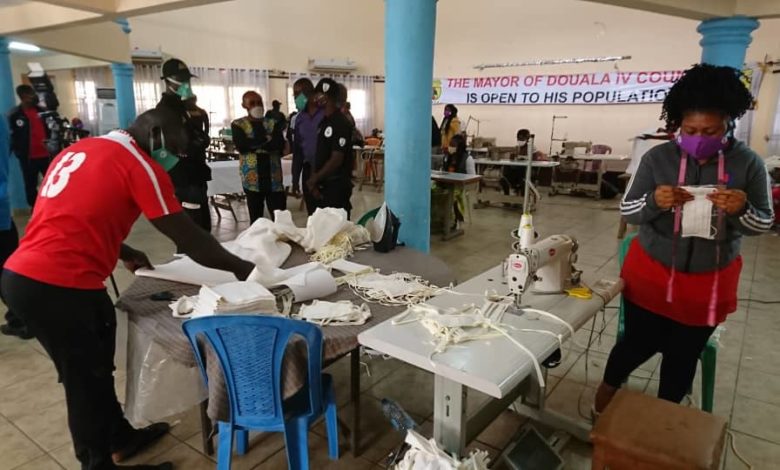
331	182
191	175
276	114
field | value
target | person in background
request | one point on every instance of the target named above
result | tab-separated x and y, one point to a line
677	290
259	142
276	114
347	110
9	237
177	79
87	206
374	140
450	126
331	182
514	177
307	123
458	160
28	140
191	174
435	136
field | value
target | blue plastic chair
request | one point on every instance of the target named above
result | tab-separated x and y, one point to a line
250	349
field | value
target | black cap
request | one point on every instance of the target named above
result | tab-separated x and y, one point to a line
276	103
329	87
176	69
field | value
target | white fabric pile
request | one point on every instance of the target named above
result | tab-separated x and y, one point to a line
266	243
334	313
241	297
426	455
392	289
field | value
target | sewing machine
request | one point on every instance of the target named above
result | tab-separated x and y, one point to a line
546	267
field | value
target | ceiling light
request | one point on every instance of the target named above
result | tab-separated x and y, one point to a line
577	60
23	46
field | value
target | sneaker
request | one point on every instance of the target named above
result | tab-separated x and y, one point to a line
18	331
139	440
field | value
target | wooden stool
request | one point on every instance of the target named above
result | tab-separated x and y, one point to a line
640	432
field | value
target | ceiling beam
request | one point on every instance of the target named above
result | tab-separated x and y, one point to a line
34	16
93	6
692	9
759	8
50	15
113	46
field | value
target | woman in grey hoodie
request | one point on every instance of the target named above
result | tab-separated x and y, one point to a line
680	282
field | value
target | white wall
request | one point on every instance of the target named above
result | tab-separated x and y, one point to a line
283	35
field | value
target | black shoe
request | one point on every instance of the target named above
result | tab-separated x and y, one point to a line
18	331
139	440
159	466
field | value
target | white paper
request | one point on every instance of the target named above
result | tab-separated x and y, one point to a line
312	285
697	214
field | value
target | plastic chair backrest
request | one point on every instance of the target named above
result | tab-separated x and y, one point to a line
600	149
251	350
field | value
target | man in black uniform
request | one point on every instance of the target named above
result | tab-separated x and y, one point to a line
191	175
331	182
276	114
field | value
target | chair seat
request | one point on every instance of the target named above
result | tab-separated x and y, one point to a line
637	431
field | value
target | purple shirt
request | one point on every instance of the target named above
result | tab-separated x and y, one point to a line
305	137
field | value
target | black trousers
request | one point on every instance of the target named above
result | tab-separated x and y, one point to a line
78	330
195	201
336	193
311	201
9	241
31	168
255	200
647	333
297	170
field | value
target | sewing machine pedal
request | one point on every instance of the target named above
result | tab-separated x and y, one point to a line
553	360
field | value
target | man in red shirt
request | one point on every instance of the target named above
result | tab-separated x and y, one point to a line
88	202
28	140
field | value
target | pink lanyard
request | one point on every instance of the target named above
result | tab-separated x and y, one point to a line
718	237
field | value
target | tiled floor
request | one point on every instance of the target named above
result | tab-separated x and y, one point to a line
33	422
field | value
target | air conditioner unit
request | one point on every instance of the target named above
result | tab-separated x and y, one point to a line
145	56
332	65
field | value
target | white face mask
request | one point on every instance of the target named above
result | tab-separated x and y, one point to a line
451	149
257	112
521	143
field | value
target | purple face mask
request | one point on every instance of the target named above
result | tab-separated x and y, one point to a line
701	147
447	113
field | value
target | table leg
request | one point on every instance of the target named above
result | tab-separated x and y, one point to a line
206	428
447	231
449	414
354	372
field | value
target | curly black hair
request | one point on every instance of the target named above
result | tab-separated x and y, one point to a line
705	87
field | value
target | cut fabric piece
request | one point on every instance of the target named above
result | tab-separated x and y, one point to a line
349	267
185	270
697	214
311	285
271	277
334	313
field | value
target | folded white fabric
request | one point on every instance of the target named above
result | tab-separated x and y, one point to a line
425	454
229	298
334	313
697	214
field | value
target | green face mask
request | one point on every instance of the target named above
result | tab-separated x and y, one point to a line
300	102
162	156
184	90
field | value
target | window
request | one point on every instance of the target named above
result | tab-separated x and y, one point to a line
357	99
213	98
86	94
